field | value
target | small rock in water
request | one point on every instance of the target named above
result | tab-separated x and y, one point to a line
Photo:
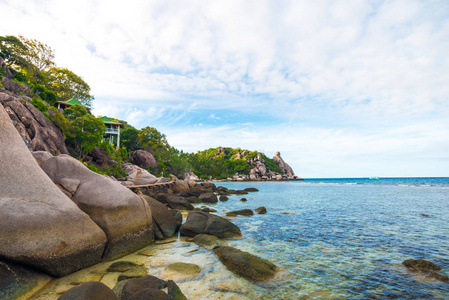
183	268
251	189
135	272
241	212
121	266
224	198
243	199
89	291
245	264
174	291
226	286
261	210
424	215
209	241
420	265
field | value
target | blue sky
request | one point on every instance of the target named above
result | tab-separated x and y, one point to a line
341	88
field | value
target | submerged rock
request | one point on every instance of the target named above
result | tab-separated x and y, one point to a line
208	241
245	264
121	266
224	198
241	212
202	222
150	293
424	266
89	291
135	272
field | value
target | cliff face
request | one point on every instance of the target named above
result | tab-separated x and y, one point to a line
37	132
262	172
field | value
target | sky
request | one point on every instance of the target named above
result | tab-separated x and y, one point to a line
347	88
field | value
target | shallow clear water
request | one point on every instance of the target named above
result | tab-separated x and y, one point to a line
332	239
347	238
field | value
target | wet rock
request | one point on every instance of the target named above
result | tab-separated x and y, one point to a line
420	265
150	293
241	212
136	272
174	291
89	291
245	264
178	217
243	199
226	286
202	222
209	241
208	186
261	210
224	198
174	201
164	221
181	271
134	285
209	197
193	199
121	266
122	215
251	190
16	280
241	192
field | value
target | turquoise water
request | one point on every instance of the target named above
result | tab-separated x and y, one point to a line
347	238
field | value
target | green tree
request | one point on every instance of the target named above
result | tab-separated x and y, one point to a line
67	85
129	138
85	131
152	138
13	52
39	58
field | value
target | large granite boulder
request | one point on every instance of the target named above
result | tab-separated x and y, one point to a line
124	216
245	264
143	159
32	125
208	197
139	176
202	222
89	291
40	226
174	201
165	224
134	285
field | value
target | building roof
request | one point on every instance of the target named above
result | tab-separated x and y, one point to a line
72	102
106	120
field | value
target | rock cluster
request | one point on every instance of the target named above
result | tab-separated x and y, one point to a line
260	172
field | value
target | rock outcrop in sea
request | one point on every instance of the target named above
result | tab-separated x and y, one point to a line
261	172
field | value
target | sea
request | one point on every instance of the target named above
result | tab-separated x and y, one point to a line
331	239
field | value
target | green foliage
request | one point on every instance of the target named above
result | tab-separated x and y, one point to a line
150	137
117	171
85	131
2	73
60	121
221	163
67	85
41	106
44	93
129	138
20	77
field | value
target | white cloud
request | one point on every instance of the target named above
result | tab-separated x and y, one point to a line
335	69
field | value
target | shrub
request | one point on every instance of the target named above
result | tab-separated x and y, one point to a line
41	106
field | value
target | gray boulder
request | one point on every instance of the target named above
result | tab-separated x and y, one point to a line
139	176
241	212
163	219
202	222
174	201
124	216
208	197
40	226
134	285
143	159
